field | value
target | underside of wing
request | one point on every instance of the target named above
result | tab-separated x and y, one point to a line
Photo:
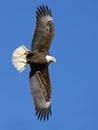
44	31
41	92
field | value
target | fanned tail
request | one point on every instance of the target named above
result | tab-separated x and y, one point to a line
19	58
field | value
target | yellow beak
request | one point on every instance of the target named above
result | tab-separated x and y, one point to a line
53	60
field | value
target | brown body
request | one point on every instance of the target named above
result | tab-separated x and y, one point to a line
37	58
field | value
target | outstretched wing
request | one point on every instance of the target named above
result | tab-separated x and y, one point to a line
41	92
44	31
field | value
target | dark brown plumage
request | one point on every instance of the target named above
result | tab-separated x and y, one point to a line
44	31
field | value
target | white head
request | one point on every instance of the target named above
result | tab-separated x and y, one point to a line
50	59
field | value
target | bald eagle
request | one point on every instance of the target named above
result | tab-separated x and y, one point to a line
38	59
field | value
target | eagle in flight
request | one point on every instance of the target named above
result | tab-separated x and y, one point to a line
38	59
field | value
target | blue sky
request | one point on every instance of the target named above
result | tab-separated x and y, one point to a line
74	77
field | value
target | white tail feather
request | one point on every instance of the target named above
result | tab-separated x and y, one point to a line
19	58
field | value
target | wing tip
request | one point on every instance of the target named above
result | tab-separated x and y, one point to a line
43	10
43	113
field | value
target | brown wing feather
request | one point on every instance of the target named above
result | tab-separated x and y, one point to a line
41	92
44	31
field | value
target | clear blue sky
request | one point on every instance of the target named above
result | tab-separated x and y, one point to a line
74	77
